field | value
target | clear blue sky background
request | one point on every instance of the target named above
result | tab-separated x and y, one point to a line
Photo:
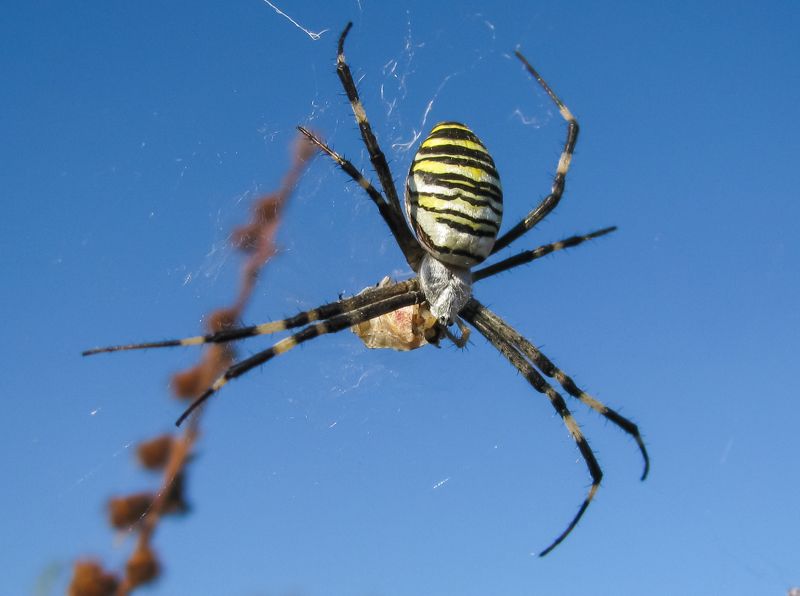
135	135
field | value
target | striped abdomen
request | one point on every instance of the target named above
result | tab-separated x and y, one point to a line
454	200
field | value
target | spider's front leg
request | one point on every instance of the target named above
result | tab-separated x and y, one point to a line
372	309
391	216
326	311
390	210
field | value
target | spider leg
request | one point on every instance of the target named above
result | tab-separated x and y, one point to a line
370	310
537	253
550	201
400	230
483	320
544	364
376	156
462	340
320	313
393	218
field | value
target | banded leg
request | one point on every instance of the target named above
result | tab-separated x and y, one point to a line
537	253
478	315
320	313
544	364
550	201
376	155
334	324
462	340
393	218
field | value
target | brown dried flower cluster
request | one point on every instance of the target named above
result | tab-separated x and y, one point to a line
170	455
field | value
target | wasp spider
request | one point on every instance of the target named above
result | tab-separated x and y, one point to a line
454	203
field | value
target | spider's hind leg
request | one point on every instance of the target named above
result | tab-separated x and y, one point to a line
544	364
479	316
550	201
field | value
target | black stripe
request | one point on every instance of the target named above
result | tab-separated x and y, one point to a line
455	134
456	150
426	240
458	161
456	213
450	180
413	196
465	229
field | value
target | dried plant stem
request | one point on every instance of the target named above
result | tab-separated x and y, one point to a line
142	512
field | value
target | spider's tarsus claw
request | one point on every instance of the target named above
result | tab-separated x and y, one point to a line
194	405
306	133
344	35
643	451
552	546
646	470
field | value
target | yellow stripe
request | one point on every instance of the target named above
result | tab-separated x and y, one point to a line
563	163
437	167
439	141
447	126
572	426
284	345
359	112
193	341
270	327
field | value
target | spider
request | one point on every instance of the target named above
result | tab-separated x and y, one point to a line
453	202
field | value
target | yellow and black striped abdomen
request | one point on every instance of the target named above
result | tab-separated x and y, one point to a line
454	200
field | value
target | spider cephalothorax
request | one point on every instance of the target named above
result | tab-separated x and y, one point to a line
454	205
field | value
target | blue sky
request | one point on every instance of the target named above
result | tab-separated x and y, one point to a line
137	134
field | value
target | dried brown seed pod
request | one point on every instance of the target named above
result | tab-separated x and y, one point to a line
90	579
143	566
126	511
154	454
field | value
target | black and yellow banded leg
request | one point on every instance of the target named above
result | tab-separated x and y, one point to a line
376	156
334	324
402	234
393	218
537	253
320	313
550	201
478	315
544	364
